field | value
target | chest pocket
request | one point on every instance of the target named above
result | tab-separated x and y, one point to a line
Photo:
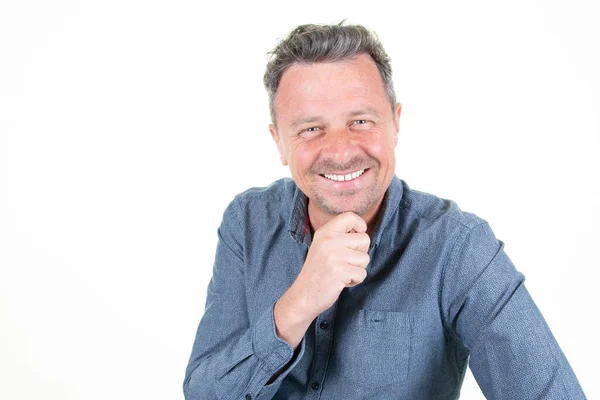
374	347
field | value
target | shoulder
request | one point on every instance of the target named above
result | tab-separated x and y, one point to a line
279	190
263	203
274	198
416	204
464	234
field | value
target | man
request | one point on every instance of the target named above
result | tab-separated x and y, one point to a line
344	283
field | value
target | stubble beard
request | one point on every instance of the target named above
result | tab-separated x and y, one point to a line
328	206
327	201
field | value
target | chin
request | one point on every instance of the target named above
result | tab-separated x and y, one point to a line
335	208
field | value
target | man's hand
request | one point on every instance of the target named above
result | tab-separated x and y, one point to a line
336	259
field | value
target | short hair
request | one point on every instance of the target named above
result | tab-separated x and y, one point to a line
325	43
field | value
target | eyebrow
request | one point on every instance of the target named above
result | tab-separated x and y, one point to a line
305	120
316	118
364	111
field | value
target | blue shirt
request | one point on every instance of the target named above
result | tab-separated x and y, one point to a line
440	295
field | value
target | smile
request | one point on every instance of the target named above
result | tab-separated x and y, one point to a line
347	177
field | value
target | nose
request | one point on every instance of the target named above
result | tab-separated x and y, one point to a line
340	145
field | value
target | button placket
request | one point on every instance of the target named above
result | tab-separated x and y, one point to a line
323	331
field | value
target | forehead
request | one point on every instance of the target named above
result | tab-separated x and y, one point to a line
332	87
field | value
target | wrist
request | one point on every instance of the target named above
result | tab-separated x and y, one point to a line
291	321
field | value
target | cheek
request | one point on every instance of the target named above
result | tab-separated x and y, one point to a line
380	147
376	145
302	156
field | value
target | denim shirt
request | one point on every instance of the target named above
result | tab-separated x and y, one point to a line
440	295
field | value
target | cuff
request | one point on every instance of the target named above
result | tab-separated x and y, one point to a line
273	351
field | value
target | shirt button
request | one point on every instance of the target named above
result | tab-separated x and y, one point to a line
315	385
324	325
248	397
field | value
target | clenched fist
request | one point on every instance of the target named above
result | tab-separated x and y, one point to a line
337	259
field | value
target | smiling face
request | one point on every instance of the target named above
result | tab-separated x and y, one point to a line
337	132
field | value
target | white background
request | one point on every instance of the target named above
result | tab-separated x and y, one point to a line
126	127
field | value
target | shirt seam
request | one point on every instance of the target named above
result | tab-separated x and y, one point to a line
407	204
237	215
449	264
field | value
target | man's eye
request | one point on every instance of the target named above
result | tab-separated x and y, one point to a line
310	131
362	124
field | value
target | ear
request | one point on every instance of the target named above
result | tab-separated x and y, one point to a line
275	137
397	112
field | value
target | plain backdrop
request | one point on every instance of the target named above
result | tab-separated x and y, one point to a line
126	127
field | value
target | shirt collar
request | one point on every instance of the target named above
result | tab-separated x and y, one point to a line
298	222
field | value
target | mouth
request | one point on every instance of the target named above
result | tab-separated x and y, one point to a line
345	177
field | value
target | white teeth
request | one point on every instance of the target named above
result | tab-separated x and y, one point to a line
347	177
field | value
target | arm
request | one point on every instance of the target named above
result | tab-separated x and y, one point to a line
487	307
232	358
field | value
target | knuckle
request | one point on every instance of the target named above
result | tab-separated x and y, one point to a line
366	238
367	259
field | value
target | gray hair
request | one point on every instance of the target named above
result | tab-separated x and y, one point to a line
325	43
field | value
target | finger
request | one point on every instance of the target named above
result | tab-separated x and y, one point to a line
357	241
355	276
357	258
346	222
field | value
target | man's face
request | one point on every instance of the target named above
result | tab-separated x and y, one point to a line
337	132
